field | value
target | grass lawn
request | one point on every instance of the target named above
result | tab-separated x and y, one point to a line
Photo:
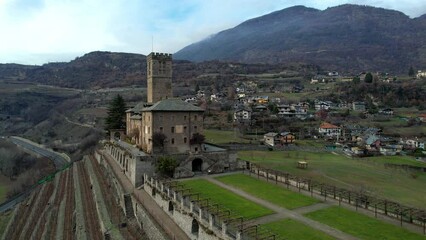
268	191
361	226
294	230
356	174
227	199
221	136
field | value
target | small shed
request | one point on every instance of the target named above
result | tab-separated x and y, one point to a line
302	164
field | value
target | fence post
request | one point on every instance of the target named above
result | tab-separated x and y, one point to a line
386	207
375	210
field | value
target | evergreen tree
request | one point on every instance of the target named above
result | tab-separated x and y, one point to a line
411	72
116	114
368	78
356	80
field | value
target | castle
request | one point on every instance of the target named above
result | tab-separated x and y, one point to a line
163	123
166	126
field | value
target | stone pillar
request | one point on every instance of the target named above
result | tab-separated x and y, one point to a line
211	221
191	206
224	228
200	214
239	236
182	202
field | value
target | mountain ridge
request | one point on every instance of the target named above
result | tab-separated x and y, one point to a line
334	38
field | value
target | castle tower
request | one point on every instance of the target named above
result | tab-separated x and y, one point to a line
159	76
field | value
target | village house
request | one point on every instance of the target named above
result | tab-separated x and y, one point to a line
287	138
242	115
271	139
294	110
386	111
422	117
358	106
421	74
329	130
323	105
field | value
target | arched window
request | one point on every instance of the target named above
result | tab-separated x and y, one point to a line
153	192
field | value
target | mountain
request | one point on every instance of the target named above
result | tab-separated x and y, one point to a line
346	37
113	69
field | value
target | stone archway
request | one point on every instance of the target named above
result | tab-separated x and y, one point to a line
195	227
197	165
171	207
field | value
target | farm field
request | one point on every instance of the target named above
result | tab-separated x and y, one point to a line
366	174
229	200
361	226
267	191
295	230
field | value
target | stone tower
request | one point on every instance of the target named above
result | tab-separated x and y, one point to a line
159	76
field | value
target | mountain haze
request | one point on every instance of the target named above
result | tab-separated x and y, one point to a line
346	37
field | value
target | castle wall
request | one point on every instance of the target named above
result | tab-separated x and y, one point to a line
150	227
132	166
188	214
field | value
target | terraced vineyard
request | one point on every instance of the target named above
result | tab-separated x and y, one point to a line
68	208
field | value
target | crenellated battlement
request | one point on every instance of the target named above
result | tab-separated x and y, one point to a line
160	56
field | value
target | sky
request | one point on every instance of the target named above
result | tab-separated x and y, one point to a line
42	31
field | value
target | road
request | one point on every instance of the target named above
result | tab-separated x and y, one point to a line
59	159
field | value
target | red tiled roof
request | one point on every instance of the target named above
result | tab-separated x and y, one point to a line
326	125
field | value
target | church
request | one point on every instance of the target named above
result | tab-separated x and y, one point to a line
166	126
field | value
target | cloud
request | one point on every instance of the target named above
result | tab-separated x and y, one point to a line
38	30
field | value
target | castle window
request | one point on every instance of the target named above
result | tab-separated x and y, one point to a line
195	118
195	128
184	128
184	140
149	129
184	118
173	141
161	129
173	129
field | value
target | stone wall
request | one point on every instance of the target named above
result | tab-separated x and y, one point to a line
195	220
152	230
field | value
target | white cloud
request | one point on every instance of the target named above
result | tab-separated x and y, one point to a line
39	30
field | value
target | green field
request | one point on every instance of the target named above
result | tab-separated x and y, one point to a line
222	137
361	226
366	174
267	191
293	230
236	204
